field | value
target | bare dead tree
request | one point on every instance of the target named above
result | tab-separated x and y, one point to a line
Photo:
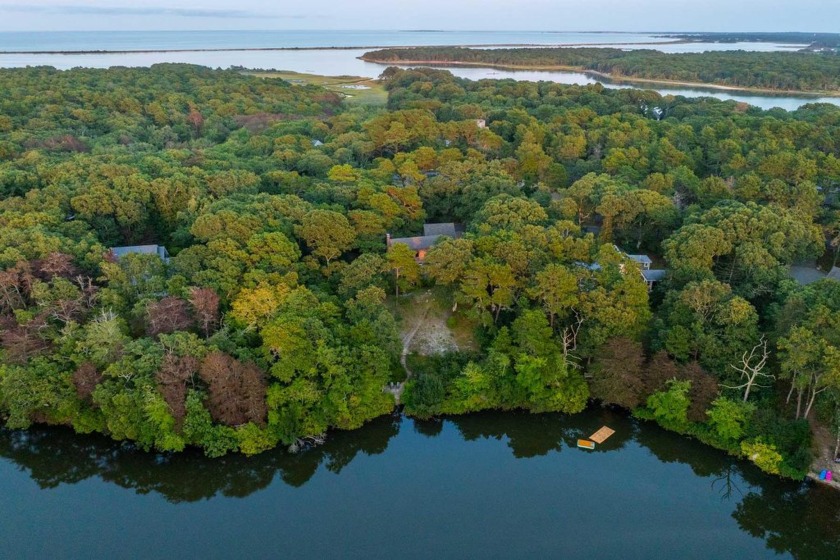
814	389
569	338
837	432
751	370
66	310
89	290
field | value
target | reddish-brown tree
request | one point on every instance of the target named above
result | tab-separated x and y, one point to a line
196	121
168	315
617	373
85	379
172	377
55	264
62	143
253	387
236	390
15	286
704	390
658	372
23	342
205	303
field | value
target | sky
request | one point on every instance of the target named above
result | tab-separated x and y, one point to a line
538	15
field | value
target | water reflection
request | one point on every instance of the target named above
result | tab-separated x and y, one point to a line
801	521
55	456
639	469
530	436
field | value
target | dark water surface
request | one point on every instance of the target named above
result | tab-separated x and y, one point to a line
480	486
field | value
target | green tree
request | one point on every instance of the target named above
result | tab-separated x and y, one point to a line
328	234
403	262
730	419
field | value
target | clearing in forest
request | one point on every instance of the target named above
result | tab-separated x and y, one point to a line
428	325
354	89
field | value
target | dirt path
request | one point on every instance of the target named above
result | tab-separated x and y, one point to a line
825	441
397	389
409	337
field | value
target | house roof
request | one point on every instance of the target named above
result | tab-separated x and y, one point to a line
431	233
158	250
641	259
654	275
594	266
447	229
417	243
805	275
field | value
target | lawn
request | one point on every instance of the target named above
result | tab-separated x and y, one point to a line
356	90
428	325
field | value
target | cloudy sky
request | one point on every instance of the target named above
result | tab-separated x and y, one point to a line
559	15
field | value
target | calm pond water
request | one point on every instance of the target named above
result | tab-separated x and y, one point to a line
345	61
480	486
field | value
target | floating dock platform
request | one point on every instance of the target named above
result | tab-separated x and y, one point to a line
602	435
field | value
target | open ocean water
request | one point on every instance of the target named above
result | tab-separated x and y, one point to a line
145	40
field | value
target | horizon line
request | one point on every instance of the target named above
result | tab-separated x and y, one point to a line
603	31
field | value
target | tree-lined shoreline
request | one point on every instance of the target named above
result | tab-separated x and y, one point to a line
736	70
277	316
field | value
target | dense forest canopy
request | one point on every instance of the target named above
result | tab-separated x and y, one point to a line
785	71
277	316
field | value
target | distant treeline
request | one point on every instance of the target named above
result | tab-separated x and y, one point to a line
792	37
770	70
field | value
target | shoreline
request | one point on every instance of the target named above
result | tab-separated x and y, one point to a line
603	75
815	478
341	48
811	477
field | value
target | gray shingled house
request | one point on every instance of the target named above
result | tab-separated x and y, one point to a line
422	243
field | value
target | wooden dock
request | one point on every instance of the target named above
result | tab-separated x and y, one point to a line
598	437
602	435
